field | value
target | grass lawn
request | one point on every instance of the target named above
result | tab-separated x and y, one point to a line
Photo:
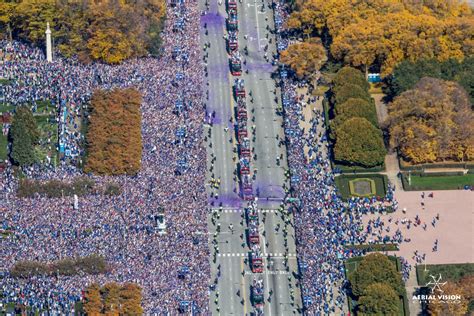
48	131
451	272
376	88
374	247
427	182
3	147
320	90
5	107
5	82
342	183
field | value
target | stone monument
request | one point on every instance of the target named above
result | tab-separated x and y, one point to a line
49	52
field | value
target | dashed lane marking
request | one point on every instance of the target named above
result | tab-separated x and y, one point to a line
265	255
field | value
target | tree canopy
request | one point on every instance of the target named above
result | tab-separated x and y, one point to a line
378	299
105	30
114	140
24	134
385	32
408	73
348	91
376	268
464	288
305	58
358	142
113	299
432	122
354	107
350	75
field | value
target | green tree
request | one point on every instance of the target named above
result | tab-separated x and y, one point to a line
354	108
376	268
93	304
358	142
350	75
24	134
378	299
348	91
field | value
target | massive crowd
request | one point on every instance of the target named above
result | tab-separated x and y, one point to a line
121	228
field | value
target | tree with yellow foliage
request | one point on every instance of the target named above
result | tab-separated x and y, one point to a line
305	58
93	304
131	297
432	122
385	32
105	30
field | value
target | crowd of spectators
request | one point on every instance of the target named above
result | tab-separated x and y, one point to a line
120	228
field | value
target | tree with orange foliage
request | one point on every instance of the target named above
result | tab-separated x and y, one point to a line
114	140
305	58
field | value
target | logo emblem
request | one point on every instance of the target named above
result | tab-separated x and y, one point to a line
436	284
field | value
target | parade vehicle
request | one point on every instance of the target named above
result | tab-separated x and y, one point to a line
233	41
232	21
239	88
244	166
241	114
242	132
252	214
244	148
247	190
253	235
256	262
235	64
257	293
231	4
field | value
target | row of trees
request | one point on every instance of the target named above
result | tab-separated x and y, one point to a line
24	136
105	30
114	139
377	286
357	138
432	122
92	264
80	186
113	299
384	33
55	188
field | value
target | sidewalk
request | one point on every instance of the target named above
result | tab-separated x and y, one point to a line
411	287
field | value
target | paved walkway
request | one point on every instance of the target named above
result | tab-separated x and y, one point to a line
411	286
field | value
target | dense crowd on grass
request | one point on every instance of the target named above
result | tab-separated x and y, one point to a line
120	228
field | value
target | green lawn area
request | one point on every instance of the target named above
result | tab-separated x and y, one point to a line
343	184
3	147
5	107
351	264
5	82
373	247
48	131
437	182
451	272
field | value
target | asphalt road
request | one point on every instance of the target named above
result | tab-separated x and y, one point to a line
227	225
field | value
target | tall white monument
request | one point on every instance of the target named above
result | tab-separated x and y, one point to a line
49	52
